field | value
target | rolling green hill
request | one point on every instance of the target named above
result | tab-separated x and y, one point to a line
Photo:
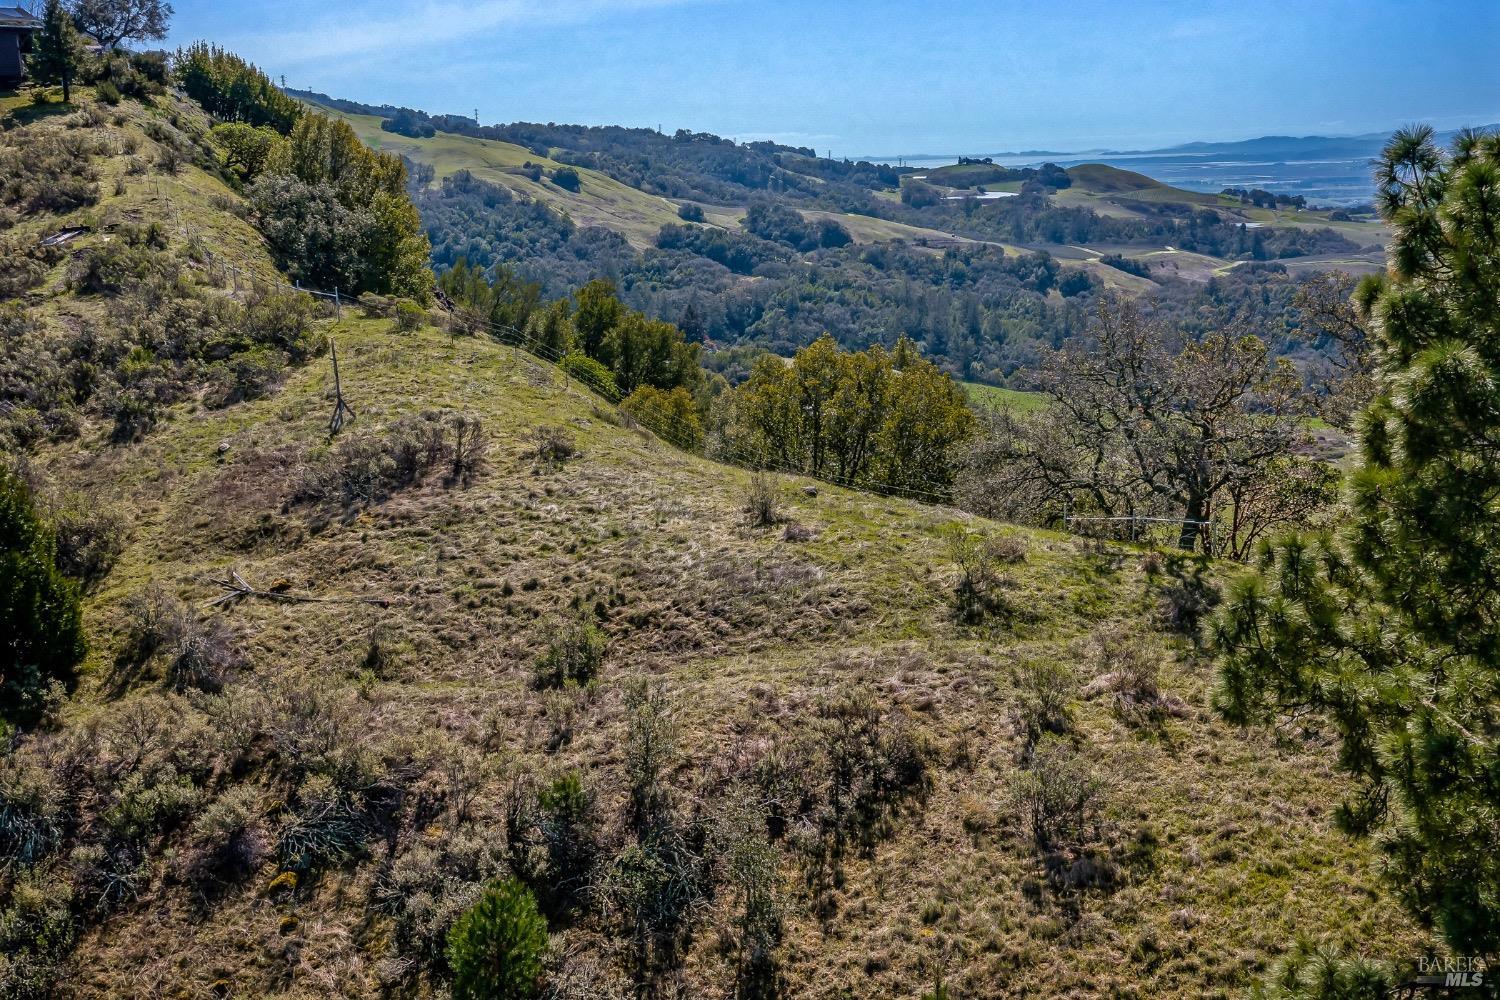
292	792
600	201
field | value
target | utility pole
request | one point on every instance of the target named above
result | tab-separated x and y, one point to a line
476	116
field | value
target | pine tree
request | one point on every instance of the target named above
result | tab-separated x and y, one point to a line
495	949
1389	630
57	52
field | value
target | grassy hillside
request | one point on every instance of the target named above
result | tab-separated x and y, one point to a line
389	660
1014	400
600	201
1232	836
1102	179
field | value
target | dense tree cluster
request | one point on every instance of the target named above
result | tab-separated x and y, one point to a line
233	90
980	313
406	122
1265	199
739	252
889	421
635	350
782	224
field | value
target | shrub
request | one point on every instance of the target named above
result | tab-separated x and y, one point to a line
552	445
202	653
979	591
327	826
37	930
41	621
690	212
108	93
591	373
48	172
567	178
569	823
672	415
229	836
495	949
1044	693
250	374
150	616
23	267
575	652
873	761
90	536
372	306
367	467
1059	796
1188	595
428	887
763	501
409	316
1128	669
468	448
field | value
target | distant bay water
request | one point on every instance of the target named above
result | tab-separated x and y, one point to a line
1321	180
1326	170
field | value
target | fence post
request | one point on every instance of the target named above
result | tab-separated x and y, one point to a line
338	306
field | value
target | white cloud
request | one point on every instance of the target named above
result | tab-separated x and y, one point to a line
351	35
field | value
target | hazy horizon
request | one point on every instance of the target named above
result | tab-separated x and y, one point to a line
882	78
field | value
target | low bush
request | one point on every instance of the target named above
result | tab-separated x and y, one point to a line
763	501
1059	796
409	316
575	650
372	306
328	825
1128	670
552	445
468	448
428	887
980	590
1044	693
367	467
229	837
570	823
49	172
23	266
90	536
591	373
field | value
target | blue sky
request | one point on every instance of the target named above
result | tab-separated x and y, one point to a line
886	77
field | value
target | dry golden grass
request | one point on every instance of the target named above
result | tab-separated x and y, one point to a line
1232	833
1220	844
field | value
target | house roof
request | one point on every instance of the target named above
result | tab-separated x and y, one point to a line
15	17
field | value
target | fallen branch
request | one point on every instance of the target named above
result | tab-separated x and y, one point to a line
238	589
